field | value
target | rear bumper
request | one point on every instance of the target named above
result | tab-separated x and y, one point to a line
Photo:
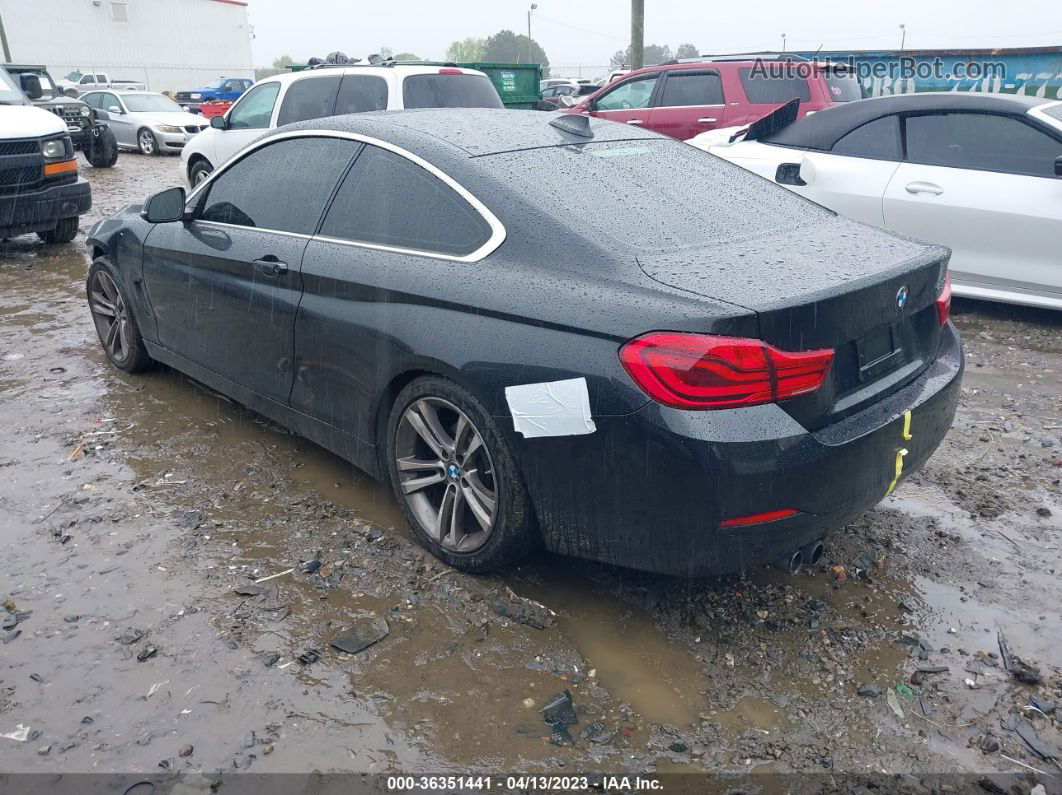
42	209
649	490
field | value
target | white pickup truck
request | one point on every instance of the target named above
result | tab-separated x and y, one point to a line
78	82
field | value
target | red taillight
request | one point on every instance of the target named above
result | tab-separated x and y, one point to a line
696	371
944	301
450	72
759	518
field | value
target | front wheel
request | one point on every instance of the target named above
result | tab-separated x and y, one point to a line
456	478
146	143
65	231
199	172
113	317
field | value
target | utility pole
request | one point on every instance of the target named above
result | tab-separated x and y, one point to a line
903	35
637	33
533	7
783	42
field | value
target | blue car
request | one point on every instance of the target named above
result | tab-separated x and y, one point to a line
224	89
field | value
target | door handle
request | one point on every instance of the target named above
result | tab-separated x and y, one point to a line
924	187
635	121
270	266
707	120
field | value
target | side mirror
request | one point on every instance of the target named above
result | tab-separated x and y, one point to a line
1058	166
115	109
31	86
100	115
164	207
807	170
219	123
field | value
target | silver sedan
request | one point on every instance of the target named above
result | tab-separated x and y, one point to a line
144	120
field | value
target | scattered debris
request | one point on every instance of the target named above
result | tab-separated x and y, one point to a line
248	590
559	710
147	653
308	657
523	611
894	703
361	637
274	576
869	691
20	734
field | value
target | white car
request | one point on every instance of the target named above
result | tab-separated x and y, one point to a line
981	173
331	90
145	120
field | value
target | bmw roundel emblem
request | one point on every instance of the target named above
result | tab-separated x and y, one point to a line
901	298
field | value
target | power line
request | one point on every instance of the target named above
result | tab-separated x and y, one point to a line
581	30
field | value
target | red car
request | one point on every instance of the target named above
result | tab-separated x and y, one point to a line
684	98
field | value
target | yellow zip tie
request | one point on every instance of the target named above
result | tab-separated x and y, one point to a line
907	426
899	469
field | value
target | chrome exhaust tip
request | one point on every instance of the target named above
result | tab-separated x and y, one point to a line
813	553
790	564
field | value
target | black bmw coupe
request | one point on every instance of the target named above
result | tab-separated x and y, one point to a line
566	332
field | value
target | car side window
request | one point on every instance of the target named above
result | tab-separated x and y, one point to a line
255	108
878	139
388	200
772	89
360	93
92	100
981	141
85	79
108	101
629	95
308	98
691	88
282	186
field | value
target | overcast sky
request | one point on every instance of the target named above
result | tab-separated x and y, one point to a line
589	31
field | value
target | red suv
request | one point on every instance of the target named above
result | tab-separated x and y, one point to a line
684	98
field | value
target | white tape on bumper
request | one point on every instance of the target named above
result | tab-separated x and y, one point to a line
553	408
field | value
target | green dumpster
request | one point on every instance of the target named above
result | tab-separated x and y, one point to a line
517	83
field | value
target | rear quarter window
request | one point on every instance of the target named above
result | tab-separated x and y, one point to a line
388	200
772	89
361	93
878	139
449	91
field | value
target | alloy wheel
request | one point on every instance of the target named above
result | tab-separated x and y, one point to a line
147	142
200	177
110	315
446	474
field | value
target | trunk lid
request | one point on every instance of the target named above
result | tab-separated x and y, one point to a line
833	283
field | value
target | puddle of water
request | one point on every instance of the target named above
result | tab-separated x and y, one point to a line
634	661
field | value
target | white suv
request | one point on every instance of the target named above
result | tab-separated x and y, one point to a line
329	90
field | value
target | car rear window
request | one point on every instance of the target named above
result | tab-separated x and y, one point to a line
1054	111
843	86
649	195
772	89
449	91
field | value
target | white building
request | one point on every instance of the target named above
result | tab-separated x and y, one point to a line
168	44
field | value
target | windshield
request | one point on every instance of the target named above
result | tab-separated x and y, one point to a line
10	93
74	76
843	86
449	91
150	103
214	84
1054	111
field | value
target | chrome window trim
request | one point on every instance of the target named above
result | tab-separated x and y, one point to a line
497	229
223	225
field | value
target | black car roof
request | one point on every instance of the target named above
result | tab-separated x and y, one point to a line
471	131
823	129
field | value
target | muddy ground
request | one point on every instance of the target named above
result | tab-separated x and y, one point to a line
137	512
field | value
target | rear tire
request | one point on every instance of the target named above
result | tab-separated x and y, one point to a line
450	477
199	171
64	232
113	317
102	152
